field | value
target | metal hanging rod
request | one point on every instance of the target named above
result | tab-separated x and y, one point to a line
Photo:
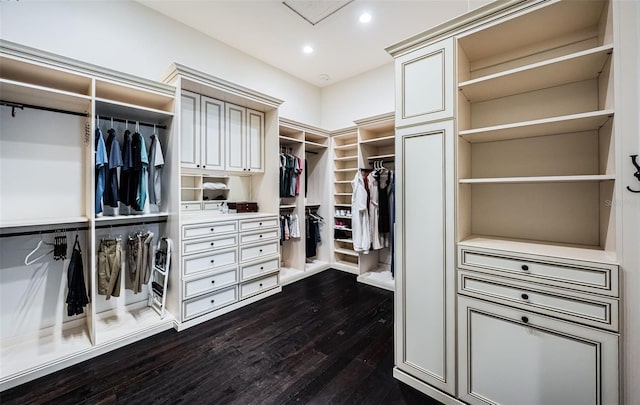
144	124
310	151
38	107
81	228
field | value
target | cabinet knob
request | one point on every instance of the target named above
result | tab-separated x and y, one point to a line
249	169
212	301
525	267
213	281
260	250
260	236
260	224
212	243
197	165
212	229
212	260
525	296
261	285
525	319
203	166
261	267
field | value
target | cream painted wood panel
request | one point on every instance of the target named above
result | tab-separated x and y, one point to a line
424	84
255	141
212	133
235	138
425	275
511	356
189	127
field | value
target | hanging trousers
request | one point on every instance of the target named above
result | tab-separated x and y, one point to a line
109	255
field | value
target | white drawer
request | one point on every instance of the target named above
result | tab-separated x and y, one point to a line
255	269
257	251
254	287
587	309
258	236
212	205
191	206
590	277
209	261
208	303
201	245
213	282
256	224
208	229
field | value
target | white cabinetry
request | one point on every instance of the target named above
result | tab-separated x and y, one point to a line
425	266
512	356
424	84
201	132
245	139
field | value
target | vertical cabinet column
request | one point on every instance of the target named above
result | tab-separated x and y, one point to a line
425	253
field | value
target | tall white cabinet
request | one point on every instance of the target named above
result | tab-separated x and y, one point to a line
515	292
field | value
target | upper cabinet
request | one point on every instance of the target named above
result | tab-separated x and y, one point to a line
245	139
201	132
424	84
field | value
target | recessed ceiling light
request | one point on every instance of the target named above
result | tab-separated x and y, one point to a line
307	49
324	77
365	18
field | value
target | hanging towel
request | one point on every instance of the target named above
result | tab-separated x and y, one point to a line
360	217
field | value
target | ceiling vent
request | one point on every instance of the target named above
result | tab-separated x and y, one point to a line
315	11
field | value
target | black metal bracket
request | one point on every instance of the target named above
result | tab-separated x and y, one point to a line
634	160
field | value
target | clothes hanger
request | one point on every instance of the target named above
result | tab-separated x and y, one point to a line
28	261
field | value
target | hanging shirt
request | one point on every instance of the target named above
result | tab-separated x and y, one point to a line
141	191
126	171
360	217
115	160
376	241
101	169
299	169
156	162
295	226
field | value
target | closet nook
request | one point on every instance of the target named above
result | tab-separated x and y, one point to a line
48	149
304	256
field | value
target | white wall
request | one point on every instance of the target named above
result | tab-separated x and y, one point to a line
131	38
366	95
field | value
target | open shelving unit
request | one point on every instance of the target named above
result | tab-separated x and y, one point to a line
536	141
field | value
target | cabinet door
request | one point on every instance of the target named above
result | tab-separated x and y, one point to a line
425	254
189	129
255	140
236	138
424	84
212	134
510	356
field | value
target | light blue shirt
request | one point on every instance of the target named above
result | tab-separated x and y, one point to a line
101	168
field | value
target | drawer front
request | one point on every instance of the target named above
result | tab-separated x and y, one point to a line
193	206
581	276
257	251
210	261
208	229
582	308
258	236
208	303
254	287
213	282
256	224
212	205
256	269
201	245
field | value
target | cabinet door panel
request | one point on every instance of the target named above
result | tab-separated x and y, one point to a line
189	130
255	139
212	134
235	130
510	356
424	84
426	277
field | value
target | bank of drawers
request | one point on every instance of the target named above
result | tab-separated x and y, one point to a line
227	261
577	291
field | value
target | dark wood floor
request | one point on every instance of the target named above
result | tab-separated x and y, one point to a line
323	340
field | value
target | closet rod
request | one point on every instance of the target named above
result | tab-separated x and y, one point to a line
310	151
144	124
37	107
157	221
42	232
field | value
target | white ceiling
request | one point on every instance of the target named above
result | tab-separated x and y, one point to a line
343	47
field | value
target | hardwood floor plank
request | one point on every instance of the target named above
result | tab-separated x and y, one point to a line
325	339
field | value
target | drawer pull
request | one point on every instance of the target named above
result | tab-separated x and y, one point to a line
260	250
212	229
213	281
525	319
212	260
261	267
260	236
525	296
213	301
212	243
260	224
260	285
525	267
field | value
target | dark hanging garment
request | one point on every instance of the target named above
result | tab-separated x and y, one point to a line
384	221
125	173
77	297
136	169
115	160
